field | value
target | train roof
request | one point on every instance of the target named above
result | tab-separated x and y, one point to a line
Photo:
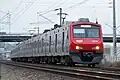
56	26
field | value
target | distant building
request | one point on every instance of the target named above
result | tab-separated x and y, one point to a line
2	44
2	33
2	50
5	49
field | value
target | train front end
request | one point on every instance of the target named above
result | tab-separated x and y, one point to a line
86	42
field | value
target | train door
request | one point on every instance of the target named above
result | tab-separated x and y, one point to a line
59	42
49	44
55	43
44	48
42	45
52	43
63	35
66	40
39	45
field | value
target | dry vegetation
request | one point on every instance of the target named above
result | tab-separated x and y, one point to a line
116	64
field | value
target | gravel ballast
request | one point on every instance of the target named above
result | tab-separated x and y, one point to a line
9	72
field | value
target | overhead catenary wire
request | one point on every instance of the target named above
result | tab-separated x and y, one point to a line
50	10
53	7
73	6
46	18
17	7
46	12
22	11
69	8
2	18
111	27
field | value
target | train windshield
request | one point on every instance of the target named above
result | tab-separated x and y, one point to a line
86	32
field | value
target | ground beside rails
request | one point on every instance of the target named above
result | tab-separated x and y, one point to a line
81	73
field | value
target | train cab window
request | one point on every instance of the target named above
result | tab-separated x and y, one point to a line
63	35
55	42
93	33
49	43
86	32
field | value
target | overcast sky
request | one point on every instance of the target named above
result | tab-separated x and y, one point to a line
24	12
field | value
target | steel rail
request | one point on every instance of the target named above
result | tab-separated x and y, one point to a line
84	74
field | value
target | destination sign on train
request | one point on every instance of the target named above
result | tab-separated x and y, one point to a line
85	25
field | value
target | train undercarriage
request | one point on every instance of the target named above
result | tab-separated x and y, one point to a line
64	60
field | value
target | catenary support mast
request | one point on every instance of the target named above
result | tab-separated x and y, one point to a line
114	31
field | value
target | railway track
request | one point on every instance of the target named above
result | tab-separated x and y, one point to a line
77	73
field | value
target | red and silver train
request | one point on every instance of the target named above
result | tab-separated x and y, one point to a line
78	42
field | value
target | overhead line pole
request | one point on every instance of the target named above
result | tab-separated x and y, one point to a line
60	16
37	30
8	16
9	22
114	31
37	22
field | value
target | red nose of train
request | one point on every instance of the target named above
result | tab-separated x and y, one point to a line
87	44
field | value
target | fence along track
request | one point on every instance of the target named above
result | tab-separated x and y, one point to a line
84	74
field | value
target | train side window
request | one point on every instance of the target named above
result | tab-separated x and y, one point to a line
63	35
55	42
49	43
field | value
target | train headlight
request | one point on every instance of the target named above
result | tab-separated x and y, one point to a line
96	48
79	47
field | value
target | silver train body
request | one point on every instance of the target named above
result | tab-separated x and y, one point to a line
40	45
